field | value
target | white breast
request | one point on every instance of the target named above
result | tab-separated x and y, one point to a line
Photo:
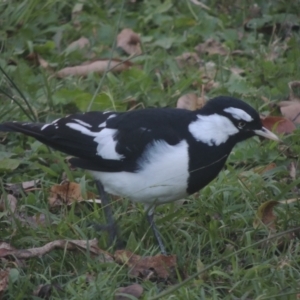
162	177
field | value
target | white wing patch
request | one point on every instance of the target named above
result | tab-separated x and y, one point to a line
52	123
111	116
82	123
45	126
103	124
106	144
238	114
212	130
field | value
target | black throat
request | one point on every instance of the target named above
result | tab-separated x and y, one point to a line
205	163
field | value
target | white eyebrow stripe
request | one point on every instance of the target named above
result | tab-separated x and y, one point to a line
238	114
82	123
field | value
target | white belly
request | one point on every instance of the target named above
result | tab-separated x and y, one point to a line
162	177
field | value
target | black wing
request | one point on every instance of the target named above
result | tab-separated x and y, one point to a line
109	142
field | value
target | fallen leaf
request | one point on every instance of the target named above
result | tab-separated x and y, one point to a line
76	11
211	47
148	267
208	84
81	43
135	290
294	87
17	188
44	64
4	248
8	203
278	124
239	52
67	193
236	70
129	41
90	245
290	110
196	2
44	291
39	219
276	49
190	101
263	169
4	278
188	59
98	66
209	70
37	60
292	170
265	215
288	201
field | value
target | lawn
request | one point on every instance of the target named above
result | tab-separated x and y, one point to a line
238	238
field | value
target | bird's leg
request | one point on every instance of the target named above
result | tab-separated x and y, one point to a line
150	218
111	224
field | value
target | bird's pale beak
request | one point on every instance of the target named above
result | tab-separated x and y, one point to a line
267	134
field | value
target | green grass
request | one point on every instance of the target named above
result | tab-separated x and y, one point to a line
211	225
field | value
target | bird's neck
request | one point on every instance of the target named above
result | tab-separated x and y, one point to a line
204	168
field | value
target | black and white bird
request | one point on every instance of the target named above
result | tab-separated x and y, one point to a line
152	156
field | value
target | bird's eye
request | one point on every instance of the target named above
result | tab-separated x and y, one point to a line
241	125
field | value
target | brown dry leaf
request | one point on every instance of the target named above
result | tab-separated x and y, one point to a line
44	64
8	203
76	11
290	110
148	267
44	291
265	215
5	248
211	47
190	101
294	87
98	66
237	70
18	188
196	2
292	170
129	41
277	48
81	43
67	193
288	201
278	124
4	278
188	59
38	219
263	169
208	84
239	52
90	245
37	60
209	71
135	290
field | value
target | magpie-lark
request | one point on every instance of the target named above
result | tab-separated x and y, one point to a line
152	156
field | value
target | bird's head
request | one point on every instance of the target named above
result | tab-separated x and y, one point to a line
228	117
